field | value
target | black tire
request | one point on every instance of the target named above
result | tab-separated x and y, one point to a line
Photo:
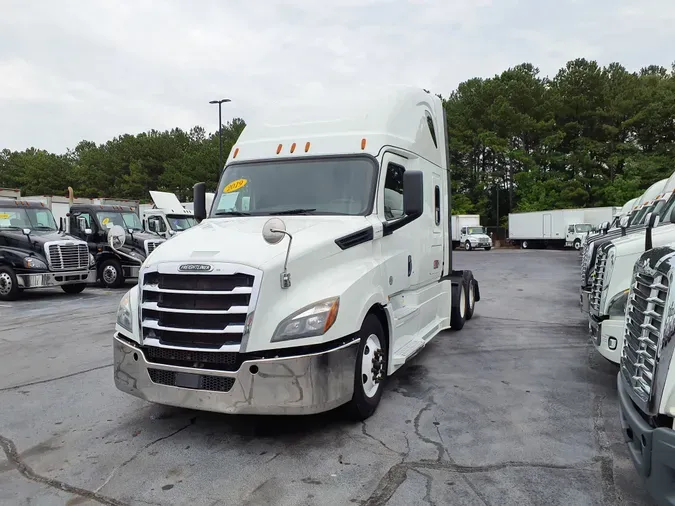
577	244
106	270
74	289
9	286
467	246
470	299
524	244
458	310
488	248
363	405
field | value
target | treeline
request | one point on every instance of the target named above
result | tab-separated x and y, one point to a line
588	136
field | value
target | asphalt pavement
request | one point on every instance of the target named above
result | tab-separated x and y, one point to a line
515	409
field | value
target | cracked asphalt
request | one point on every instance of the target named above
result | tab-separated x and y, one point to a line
517	408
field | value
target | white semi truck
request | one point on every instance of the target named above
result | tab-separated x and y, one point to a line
167	216
309	293
467	232
613	271
605	227
646	379
559	227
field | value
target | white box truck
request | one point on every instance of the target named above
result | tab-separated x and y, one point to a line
307	295
558	227
468	233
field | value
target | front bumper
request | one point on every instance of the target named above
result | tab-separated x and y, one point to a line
607	337
651	450
302	384
585	296
28	281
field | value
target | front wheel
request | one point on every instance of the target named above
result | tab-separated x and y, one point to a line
488	248
577	244
370	370
467	246
111	273
470	299
9	287
74	289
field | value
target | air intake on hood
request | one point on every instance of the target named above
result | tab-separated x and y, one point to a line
356	238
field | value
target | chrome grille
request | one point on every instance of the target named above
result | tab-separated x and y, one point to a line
150	246
195	310
644	318
597	281
64	256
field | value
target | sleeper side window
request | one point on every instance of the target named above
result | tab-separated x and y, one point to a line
393	192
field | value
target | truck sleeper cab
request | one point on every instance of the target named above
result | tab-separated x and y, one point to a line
609	292
114	264
34	253
309	293
646	379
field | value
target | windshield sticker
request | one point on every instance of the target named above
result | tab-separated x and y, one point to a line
4	216
105	221
235	185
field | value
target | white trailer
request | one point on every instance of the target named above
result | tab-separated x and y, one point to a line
558	227
10	193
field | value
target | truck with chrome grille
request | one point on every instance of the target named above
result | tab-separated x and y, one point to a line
646	379
116	261
654	197
35	253
307	284
612	275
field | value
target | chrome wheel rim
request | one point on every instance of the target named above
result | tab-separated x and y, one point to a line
5	283
109	274
471	296
369	361
462	302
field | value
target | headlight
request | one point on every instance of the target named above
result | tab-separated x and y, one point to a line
92	260
312	320
34	263
617	306
124	313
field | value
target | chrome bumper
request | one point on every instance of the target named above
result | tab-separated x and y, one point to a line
302	384
47	279
585	300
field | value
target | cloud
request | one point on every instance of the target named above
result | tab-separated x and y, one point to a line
94	69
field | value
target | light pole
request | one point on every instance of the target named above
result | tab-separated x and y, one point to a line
220	128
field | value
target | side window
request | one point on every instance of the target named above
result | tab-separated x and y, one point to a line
393	192
437	204
432	130
570	228
463	231
80	222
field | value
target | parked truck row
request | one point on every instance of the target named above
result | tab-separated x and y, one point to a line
627	273
35	252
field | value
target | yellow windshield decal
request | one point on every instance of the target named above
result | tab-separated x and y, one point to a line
235	185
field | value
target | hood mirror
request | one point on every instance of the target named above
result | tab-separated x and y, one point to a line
26	231
623	223
116	237
273	232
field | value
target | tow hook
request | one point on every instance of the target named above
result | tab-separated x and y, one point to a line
378	366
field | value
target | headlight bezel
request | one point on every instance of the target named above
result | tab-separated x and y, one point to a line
34	263
124	315
327	313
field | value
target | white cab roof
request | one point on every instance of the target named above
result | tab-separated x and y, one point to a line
385	116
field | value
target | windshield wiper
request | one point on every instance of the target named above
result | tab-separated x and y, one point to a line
293	211
232	213
41	227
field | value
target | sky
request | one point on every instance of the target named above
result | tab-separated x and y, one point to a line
72	70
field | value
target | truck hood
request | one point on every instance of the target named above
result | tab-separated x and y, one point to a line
38	238
634	244
239	240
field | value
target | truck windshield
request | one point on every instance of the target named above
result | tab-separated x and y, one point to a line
583	227
125	220
328	186
34	219
665	211
181	222
476	230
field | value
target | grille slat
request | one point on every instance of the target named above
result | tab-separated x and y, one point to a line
646	307
196	310
64	257
596	284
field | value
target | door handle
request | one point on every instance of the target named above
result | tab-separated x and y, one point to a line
409	265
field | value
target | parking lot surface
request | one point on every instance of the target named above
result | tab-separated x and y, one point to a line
517	408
